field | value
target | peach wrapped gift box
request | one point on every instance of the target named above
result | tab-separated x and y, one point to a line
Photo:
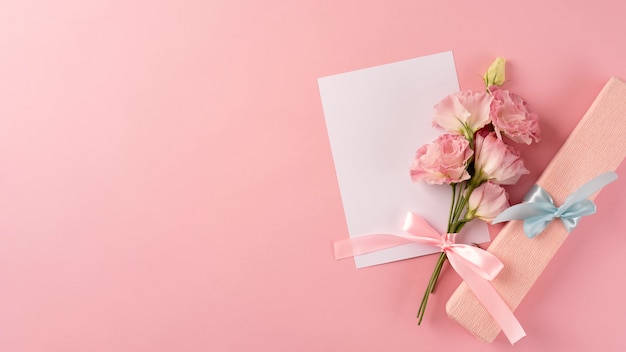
598	143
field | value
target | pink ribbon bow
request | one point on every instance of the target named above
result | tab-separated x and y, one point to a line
474	265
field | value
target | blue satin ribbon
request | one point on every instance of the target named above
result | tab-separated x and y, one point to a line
538	209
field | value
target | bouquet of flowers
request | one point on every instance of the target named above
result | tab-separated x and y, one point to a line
473	156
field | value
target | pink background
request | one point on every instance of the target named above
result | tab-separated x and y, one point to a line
167	182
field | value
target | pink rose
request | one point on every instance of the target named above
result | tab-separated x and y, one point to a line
496	161
487	201
463	113
510	117
442	161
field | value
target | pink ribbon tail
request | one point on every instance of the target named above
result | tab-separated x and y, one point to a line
489	297
367	244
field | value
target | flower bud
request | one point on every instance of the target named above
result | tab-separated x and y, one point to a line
495	73
486	202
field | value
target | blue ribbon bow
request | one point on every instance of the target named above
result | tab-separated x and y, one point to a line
538	209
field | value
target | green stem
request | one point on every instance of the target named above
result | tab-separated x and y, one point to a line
462	206
430	287
452	206
437	271
459	226
458	207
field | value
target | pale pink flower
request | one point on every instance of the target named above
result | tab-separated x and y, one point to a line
442	161
510	116
496	161
463	113
487	201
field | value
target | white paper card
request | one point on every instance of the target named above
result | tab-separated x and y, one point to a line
376	119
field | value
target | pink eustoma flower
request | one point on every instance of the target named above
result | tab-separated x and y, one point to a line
463	113
510	117
442	161
487	201
496	161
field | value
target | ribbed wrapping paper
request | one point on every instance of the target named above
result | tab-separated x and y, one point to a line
597	145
